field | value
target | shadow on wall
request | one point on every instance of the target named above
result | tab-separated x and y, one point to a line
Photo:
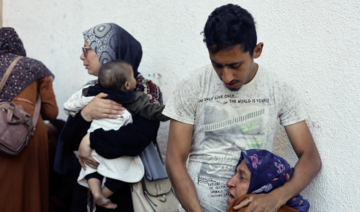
282	145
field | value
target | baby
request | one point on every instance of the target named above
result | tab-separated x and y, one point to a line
116	78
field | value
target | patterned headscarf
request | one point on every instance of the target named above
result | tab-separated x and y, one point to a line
25	72
10	42
269	171
111	42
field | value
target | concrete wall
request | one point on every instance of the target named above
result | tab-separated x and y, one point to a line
312	44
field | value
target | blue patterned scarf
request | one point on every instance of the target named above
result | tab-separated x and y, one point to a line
111	42
269	171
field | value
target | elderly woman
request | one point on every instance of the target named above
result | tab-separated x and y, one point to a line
24	178
103	43
257	172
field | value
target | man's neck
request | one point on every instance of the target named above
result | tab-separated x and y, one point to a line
254	72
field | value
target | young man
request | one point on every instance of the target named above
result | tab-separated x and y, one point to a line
229	106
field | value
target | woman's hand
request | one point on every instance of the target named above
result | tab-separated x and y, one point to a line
100	108
85	153
261	202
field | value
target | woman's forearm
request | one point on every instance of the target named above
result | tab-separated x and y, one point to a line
100	108
85	114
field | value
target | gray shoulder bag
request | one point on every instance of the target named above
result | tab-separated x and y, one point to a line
156	195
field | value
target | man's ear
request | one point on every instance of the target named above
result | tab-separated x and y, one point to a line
258	50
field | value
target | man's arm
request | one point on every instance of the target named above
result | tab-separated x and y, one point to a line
178	148
306	169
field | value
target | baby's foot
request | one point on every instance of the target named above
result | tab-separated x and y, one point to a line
102	201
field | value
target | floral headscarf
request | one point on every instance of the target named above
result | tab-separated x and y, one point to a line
269	171
25	72
10	42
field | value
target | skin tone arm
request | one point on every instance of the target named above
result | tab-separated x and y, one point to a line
306	169
178	148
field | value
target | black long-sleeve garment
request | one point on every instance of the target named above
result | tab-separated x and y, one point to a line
129	140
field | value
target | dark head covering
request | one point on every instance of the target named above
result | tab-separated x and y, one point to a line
269	171
10	42
25	72
111	42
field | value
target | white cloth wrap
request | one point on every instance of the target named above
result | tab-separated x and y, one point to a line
77	101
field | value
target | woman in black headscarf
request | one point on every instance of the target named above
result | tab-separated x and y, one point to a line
24	178
103	43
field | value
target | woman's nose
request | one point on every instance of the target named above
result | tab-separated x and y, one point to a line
82	56
231	182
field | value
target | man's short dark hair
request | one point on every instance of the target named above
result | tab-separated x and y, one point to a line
114	74
228	26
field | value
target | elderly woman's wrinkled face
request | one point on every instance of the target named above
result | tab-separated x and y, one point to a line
239	183
90	59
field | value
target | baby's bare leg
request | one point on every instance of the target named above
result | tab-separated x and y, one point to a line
99	198
111	186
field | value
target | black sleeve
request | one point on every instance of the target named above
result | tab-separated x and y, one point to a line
74	130
129	140
69	140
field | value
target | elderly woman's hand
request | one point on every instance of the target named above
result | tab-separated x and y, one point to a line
100	108
85	153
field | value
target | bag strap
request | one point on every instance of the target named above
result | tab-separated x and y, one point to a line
36	111
159	152
8	71
24	100
37	106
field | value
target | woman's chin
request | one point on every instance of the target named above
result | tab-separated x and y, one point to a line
229	200
91	72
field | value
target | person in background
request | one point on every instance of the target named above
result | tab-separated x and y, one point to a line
259	172
25	177
59	191
104	43
230	105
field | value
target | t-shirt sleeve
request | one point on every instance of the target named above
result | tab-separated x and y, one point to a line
291	106
181	106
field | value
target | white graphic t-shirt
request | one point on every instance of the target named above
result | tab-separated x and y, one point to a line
226	122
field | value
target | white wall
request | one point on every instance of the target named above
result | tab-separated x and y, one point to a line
312	44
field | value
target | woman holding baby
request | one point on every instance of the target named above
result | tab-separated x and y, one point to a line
104	43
